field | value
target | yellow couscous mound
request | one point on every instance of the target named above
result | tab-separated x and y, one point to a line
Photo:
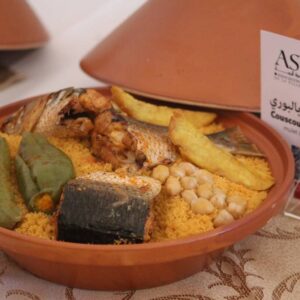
175	219
37	224
84	162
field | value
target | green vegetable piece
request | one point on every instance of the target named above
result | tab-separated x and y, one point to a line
10	213
4	158
27	186
47	170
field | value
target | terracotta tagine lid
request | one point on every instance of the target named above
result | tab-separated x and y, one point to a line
19	26
199	52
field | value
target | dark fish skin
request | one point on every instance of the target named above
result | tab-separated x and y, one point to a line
101	214
234	141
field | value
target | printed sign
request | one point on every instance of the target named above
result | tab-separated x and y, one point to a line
280	84
280	98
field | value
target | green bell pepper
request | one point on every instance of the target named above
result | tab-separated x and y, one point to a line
10	213
42	171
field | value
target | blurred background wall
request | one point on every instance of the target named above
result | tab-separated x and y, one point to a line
75	26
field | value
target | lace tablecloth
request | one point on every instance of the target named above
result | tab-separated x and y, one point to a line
265	265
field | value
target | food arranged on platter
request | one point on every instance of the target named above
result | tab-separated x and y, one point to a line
118	208
79	166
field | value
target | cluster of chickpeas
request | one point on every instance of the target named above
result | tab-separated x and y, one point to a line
196	186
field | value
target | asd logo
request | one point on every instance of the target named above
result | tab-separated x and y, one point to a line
287	64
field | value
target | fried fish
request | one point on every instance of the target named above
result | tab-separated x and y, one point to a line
66	113
123	141
104	207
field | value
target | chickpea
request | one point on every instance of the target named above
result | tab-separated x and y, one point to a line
218	200
117	137
202	206
205	190
203	176
237	199
236	209
188	168
223	218
189	196
161	173
188	182
176	171
173	186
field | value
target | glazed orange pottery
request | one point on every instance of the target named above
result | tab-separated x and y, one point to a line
20	28
123	267
204	52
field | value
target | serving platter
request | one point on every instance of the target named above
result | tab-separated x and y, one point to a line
122	267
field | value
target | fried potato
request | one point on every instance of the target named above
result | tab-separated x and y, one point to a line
154	114
197	148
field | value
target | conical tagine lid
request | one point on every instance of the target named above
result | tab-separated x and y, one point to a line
19	26
203	52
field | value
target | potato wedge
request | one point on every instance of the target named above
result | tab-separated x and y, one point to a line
197	148
154	114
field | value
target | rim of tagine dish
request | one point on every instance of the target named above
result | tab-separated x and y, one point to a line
124	267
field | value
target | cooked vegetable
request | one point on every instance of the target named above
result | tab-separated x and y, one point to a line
10	213
42	171
154	114
105	208
200	150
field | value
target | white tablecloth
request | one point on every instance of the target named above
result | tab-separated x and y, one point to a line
265	266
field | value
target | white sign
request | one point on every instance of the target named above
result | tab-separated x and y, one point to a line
280	84
280	98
